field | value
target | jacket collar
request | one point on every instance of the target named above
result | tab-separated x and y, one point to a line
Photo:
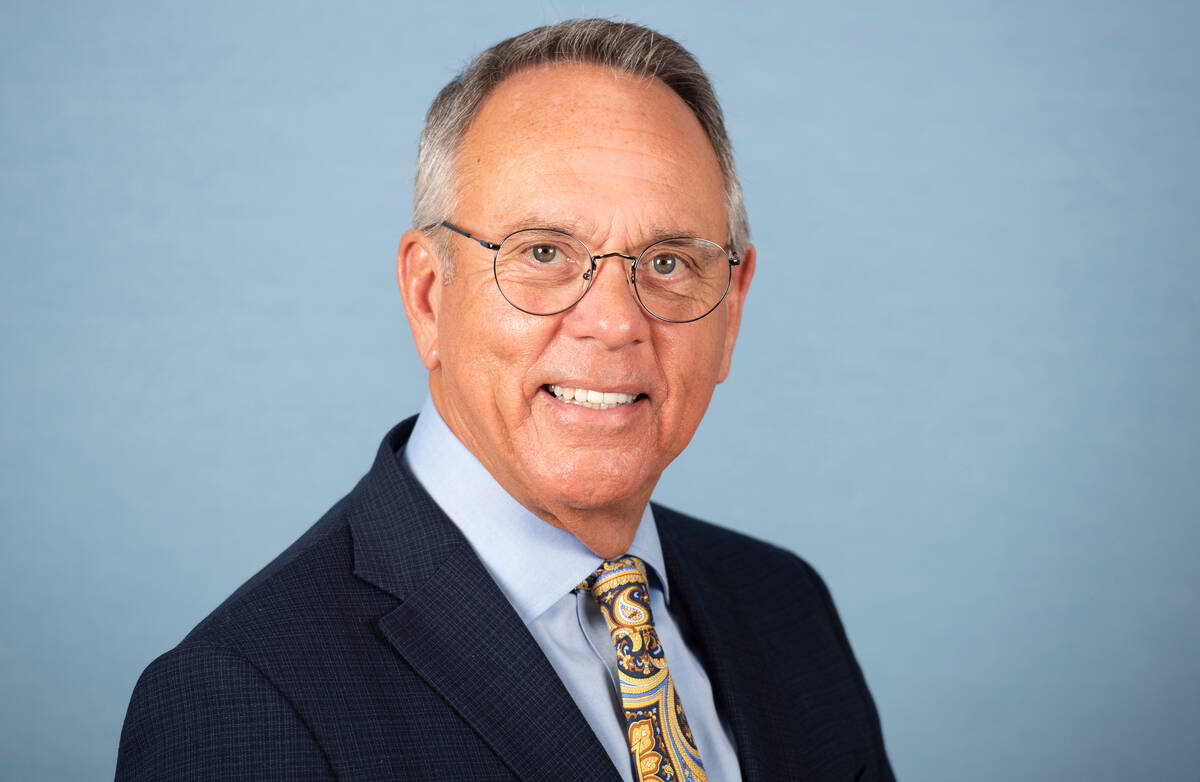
456	630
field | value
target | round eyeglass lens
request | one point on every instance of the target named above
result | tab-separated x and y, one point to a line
542	271
684	279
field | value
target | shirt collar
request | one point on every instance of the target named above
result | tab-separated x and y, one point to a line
505	535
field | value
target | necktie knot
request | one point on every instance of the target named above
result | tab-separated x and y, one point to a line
620	576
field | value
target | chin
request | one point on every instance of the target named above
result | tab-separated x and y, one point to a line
593	489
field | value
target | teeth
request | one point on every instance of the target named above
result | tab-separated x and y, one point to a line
586	397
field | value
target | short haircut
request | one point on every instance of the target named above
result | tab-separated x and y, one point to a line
622	46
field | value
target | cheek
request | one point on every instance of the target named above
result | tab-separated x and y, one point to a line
487	347
693	360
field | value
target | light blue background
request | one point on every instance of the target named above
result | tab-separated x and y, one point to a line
966	388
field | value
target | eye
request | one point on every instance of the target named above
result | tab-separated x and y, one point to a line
663	264
544	253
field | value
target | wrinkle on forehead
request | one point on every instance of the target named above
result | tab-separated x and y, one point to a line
596	233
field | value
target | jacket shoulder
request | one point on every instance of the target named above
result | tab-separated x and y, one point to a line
307	579
196	702
737	565
255	690
800	664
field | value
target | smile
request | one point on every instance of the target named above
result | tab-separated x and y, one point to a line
586	397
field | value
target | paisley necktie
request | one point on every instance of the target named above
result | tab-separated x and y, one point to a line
660	742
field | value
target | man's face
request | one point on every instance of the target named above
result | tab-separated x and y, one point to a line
619	162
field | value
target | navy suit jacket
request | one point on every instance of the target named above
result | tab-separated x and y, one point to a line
378	647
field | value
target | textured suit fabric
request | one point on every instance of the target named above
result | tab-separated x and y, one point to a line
378	647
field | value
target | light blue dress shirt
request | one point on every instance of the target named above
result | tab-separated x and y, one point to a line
537	566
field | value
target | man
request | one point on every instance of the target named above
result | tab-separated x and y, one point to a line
497	599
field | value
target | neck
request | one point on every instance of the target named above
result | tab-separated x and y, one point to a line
606	532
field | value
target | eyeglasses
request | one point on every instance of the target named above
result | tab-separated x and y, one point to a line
543	271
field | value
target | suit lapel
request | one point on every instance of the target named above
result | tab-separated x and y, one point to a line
716	629
486	665
457	631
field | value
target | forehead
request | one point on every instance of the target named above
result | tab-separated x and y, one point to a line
591	149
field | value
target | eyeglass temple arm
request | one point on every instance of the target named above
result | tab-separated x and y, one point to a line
461	232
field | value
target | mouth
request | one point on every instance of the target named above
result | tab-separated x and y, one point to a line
586	397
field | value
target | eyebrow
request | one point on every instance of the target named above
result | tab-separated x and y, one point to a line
657	231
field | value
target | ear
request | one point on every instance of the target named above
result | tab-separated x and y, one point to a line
419	273
734	300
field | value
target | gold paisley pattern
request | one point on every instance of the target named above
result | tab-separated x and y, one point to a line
661	746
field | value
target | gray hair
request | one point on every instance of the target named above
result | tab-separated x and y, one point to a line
621	46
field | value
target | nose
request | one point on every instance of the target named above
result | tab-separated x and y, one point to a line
609	311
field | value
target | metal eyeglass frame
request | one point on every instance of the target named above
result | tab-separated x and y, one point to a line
590	274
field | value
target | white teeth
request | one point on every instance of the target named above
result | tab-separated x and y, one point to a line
586	397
